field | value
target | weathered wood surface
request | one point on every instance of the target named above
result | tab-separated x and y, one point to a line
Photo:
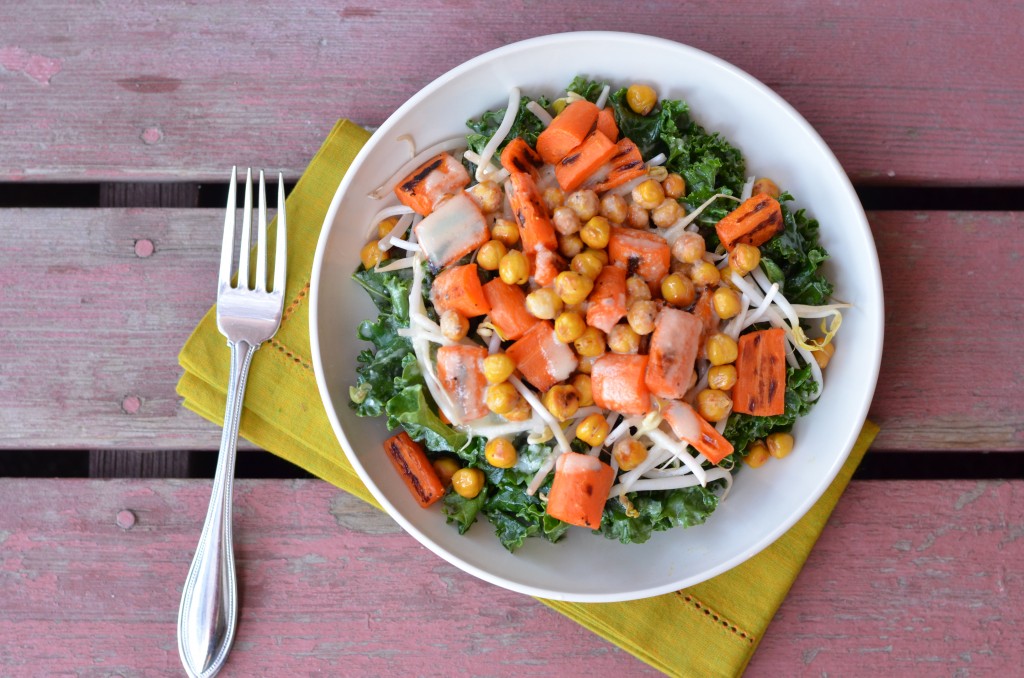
126	286
905	93
909	578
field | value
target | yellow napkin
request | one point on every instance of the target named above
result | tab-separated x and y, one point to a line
707	630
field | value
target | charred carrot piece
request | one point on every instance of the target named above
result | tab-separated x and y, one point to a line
440	176
697	431
519	157
640	252
541	358
584	160
760	387
508	309
580	489
672	352
459	288
460	371
625	165
535	228
546	265
412	465
454	229
567	131
618	383
606	124
607	299
756	221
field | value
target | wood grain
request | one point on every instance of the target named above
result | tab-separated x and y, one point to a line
166	91
90	292
909	578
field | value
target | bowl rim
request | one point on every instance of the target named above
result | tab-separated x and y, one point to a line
871	268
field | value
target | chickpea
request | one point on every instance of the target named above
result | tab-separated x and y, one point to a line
521	411
766	186
744	258
468	482
658	172
601	254
824	356
714	405
385	226
488	196
570	245
637	217
678	290
674	186
586	364
591	343
689	248
584	387
501	453
704	274
501	398
648	194
553	197
623	339
584	203
779	444
721	349
757	454
488	257
498	367
593	429
587	263
445	468
565	220
561	400
595	232
629	452
514	269
726	302
544	303
722	377
371	255
569	325
454	325
572	287
641	98
636	290
641	315
614	208
505	231
666	213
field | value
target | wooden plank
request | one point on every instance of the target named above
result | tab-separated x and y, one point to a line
151	273
935	588
169	91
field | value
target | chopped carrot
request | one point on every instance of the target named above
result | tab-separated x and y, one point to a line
617	383
672	352
641	252
756	221
519	157
567	131
607	299
440	176
541	358
582	161
459	288
535	228
760	387
508	309
606	123
704	311
694	429
460	371
412	465
625	165
545	265
454	229
580	489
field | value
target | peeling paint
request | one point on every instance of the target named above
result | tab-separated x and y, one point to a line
36	66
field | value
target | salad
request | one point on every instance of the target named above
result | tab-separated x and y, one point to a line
589	315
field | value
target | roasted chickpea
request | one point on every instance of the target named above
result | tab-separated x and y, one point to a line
569	325
586	364
468	482
570	245
601	254
595	232
779	444
565	221
514	269
641	315
658	172
824	356
445	468
678	290
629	452
722	377
674	186
636	290
614	208
521	411
714	405
648	194
591	343
726	302
766	186
704	274
544	303
587	264
757	454
637	217
553	198
371	255
593	429
487	195
501	453
498	367
561	400
689	248
501	398
641	98
744	258
585	203
454	325
721	349
667	213
505	231
488	257
623	339
385	226
572	287
583	387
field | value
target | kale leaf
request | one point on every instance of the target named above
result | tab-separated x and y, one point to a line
657	511
742	429
588	89
792	258
526	125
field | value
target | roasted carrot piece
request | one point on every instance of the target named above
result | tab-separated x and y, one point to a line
617	382
641	252
461	373
625	165
760	387
541	358
459	288
519	157
606	123
756	221
672	352
703	311
607	299
582	161
694	429
440	176
416	470
508	309
545	265
580	489
567	131
453	230
535	228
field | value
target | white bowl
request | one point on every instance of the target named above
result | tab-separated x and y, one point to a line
776	142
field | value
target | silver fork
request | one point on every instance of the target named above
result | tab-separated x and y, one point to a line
247	317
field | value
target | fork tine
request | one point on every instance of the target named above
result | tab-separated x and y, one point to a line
261	239
227	247
281	257
243	255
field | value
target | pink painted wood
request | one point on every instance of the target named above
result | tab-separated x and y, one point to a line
906	93
332	585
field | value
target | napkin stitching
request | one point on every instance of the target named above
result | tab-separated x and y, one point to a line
718	619
295	302
293	356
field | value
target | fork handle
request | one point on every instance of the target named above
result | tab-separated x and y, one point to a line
209	602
